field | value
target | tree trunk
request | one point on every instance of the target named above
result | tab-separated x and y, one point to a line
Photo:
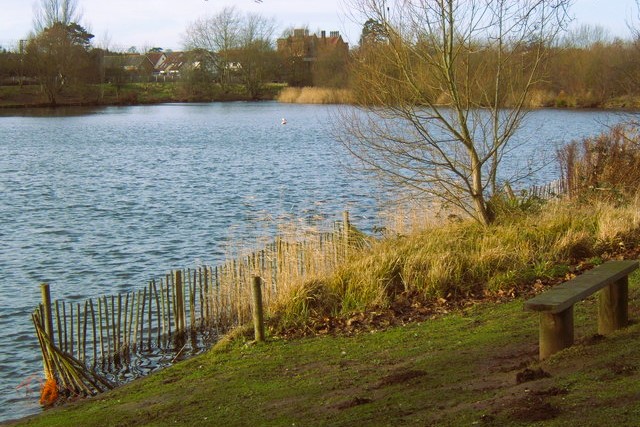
483	213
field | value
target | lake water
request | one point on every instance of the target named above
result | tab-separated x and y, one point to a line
99	201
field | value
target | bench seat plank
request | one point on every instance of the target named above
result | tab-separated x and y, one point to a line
563	296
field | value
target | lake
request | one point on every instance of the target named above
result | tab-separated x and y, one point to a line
98	201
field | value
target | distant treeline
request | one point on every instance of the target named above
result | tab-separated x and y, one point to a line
586	69
582	72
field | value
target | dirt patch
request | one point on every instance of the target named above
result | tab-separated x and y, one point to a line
400	378
552	391
512	357
622	369
534	408
593	339
356	401
531	375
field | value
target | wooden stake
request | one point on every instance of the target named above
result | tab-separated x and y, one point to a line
58	324
150	314
107	326
64	323
258	314
157	299
137	320
119	335
125	323
48	326
144	301
131	320
70	329
169	300
204	294
114	333
84	332
345	232
78	352
179	304
100	325
95	341
48	316
192	302
163	308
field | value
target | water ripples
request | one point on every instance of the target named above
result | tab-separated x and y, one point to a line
99	201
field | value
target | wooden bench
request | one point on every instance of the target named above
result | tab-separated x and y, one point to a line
556	305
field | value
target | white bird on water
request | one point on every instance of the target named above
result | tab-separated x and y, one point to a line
284	121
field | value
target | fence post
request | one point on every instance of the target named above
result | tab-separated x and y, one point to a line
179	309
258	313
345	232
47	316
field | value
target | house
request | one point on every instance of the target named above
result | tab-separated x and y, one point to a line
130	67
157	59
174	63
312	59
309	47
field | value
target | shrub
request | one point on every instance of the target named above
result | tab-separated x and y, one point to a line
607	165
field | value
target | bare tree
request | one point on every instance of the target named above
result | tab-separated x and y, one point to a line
49	12
257	28
243	45
444	90
219	33
586	36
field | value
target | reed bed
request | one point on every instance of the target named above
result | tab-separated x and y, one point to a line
452	261
315	95
82	343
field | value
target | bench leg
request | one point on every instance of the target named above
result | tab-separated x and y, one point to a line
556	332
613	306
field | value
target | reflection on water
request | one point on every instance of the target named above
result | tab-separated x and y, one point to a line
98	201
154	355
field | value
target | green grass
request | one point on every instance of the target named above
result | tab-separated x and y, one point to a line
457	369
130	93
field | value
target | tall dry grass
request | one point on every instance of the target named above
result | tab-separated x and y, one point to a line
315	95
300	256
450	261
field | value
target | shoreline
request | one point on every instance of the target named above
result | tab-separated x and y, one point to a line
31	97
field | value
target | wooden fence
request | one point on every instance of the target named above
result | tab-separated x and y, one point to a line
82	342
550	190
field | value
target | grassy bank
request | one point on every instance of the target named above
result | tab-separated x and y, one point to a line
457	369
434	264
130	94
150	93
385	347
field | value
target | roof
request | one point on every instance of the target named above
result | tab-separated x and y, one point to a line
174	62
126	61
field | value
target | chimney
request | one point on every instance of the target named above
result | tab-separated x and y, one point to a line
324	34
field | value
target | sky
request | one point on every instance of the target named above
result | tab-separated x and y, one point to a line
120	24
